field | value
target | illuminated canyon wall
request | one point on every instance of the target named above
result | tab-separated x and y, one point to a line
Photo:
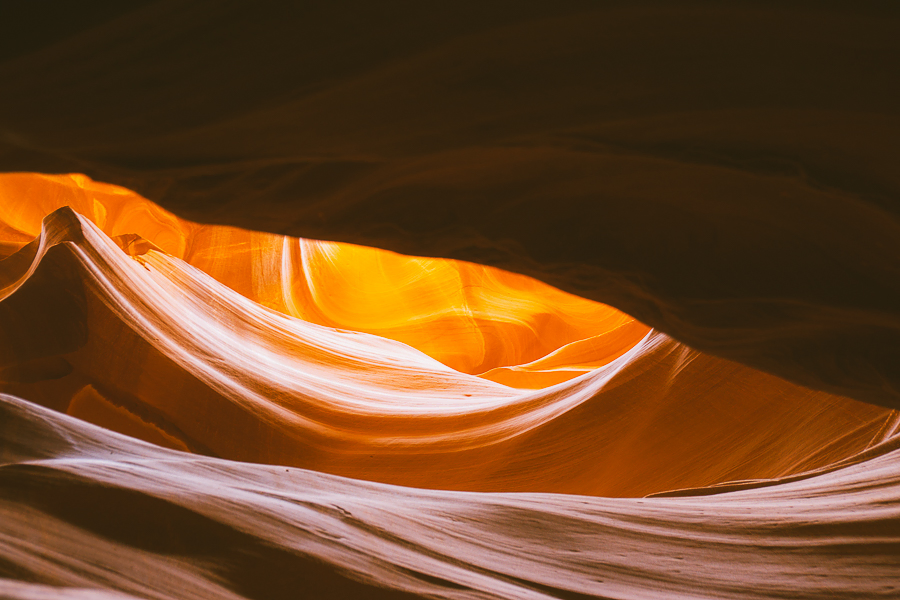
119	332
727	175
320	419
142	341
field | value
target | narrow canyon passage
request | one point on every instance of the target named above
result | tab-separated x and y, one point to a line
232	347
473	300
288	354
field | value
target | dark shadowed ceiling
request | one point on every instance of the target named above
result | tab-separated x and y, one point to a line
726	172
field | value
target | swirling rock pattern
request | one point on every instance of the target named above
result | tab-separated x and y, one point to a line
726	173
475	319
87	510
798	487
142	342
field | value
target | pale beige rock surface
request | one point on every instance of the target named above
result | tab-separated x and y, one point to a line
725	172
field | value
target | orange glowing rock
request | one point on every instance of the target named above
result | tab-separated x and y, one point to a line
475	319
133	334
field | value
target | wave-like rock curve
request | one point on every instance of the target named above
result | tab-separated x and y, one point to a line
476	319
727	174
149	345
100	515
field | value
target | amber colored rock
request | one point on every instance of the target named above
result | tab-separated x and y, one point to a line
473	318
726	174
328	420
749	469
173	356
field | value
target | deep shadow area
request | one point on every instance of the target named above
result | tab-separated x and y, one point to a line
252	568
725	173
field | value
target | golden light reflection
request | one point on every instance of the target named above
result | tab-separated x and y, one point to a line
479	320
187	336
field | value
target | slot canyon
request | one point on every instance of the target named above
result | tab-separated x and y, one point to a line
498	299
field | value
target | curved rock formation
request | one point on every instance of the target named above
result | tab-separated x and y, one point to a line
140	341
120	515
725	174
797	486
475	319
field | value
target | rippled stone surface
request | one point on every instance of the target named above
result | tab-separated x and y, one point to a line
90	512
798	487
142	342
725	173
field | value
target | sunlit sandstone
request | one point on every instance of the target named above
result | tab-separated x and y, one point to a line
89	514
476	319
725	172
132	333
